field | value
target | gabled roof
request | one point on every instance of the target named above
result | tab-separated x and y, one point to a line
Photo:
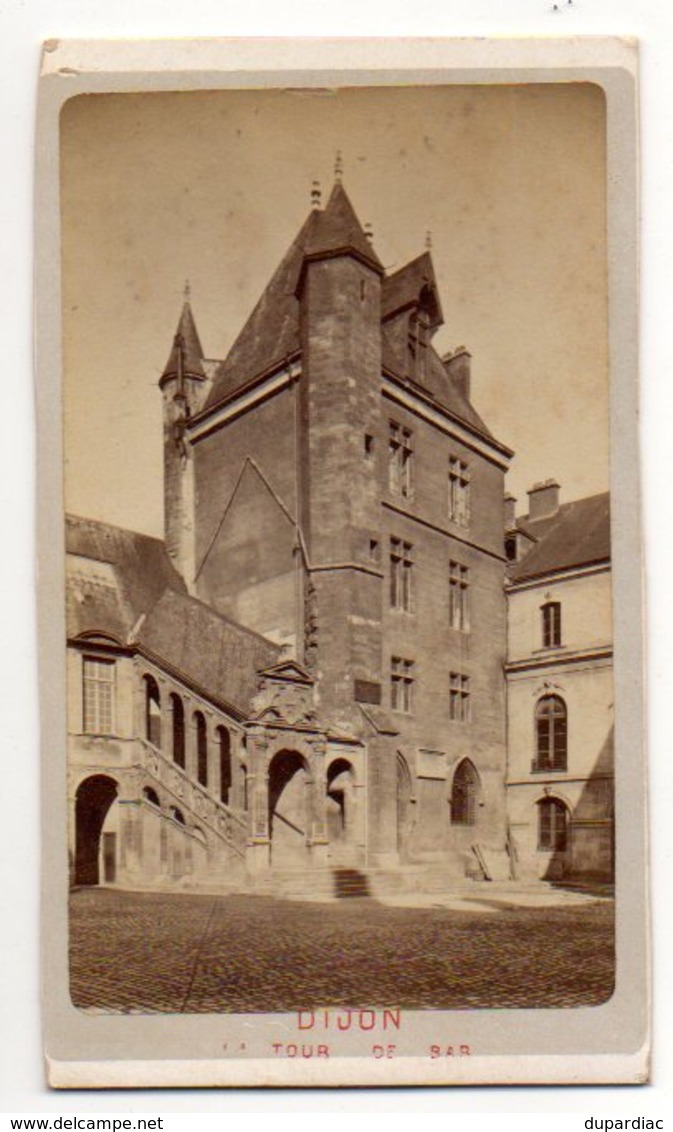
187	342
404	288
271	334
578	534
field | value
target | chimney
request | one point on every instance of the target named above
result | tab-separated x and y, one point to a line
457	365
510	511
543	500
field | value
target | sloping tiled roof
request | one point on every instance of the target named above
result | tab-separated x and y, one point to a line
136	578
214	653
141	571
437	381
576	535
192	352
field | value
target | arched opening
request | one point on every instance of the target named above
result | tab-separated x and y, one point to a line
224	742
93	800
201	734
151	795
465	794
178	729
288	808
177	815
404	795
551	734
152	711
340	809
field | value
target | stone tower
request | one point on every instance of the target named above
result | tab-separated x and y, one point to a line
183	385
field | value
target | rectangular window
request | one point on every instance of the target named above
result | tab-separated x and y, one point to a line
459	492
459	581
551	625
400	460
401	566
99	679
401	684
459	697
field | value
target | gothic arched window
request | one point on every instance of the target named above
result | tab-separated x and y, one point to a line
464	794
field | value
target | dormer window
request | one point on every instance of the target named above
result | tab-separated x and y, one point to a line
419	333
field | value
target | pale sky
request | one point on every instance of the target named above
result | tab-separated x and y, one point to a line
212	187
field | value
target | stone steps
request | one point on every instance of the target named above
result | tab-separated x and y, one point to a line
344	882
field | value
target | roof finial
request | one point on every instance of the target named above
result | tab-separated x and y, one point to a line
187	291
315	194
338	167
428	239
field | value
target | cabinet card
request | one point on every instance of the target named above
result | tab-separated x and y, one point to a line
340	563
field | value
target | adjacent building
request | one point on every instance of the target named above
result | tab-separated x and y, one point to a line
560	779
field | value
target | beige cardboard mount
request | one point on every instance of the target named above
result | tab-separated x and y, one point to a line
78	371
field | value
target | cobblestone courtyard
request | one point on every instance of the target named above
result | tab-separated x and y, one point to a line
185	953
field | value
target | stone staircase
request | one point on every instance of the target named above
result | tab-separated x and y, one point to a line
347	882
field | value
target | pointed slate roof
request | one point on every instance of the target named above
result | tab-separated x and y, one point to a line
337	229
578	534
271	334
187	341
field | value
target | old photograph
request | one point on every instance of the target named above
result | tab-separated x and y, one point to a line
338	541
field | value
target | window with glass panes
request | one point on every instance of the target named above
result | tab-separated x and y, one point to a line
459	492
551	734
401	683
552	824
459	697
400	460
459	581
551	624
98	695
401	566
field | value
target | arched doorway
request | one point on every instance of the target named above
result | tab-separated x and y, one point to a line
465	791
341	811
404	795
289	811
94	797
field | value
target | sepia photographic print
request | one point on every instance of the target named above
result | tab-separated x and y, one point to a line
341	628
